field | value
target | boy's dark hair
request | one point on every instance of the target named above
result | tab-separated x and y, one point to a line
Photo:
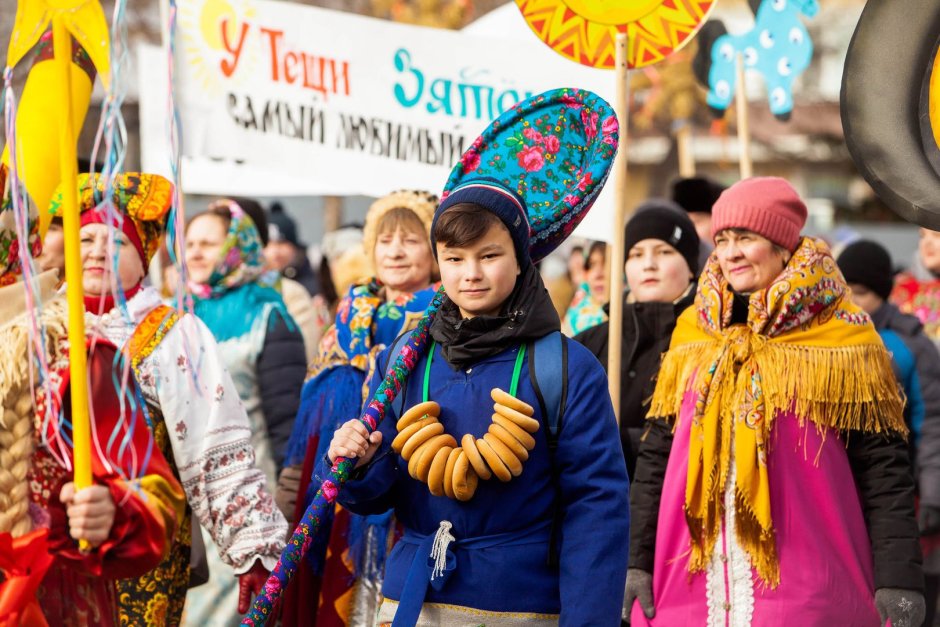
463	224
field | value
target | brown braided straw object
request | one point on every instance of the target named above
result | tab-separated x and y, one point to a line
16	450
17	413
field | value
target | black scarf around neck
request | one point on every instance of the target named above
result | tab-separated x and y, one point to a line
527	315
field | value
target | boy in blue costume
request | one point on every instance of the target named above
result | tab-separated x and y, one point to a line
496	304
508	519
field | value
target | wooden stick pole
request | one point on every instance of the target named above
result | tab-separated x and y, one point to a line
68	170
684	146
616	253
744	126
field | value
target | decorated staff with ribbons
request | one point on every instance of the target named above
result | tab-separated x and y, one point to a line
195	414
774	485
500	454
132	511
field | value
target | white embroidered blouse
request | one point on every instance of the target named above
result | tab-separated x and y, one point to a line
209	430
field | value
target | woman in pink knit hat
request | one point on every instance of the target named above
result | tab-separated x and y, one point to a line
773	485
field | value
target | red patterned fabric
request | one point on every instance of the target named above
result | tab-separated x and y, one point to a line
78	589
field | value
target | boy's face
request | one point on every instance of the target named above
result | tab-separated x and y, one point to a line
480	276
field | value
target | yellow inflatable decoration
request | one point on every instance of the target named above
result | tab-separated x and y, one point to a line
42	99
53	106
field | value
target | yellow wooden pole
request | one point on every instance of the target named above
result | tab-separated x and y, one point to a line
617	253
68	168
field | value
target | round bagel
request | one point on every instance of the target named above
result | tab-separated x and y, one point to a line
524	437
505	398
419	411
429	451
465	478
420	437
499	468
513	463
436	472
468	442
399	442
449	472
504	436
529	424
892	137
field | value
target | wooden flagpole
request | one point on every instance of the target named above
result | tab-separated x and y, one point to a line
616	254
744	126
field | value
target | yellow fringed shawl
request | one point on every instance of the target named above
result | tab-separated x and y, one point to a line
807	349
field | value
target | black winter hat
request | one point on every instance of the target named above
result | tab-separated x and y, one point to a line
696	194
281	227
662	219
868	263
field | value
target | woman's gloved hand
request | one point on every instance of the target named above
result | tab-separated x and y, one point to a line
250	584
904	608
639	586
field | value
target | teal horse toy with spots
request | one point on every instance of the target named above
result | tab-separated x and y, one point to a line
779	47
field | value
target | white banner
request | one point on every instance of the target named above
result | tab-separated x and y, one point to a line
278	98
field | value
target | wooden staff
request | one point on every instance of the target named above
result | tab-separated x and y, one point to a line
68	170
744	127
616	255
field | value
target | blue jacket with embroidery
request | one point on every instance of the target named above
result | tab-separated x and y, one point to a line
917	367
502	533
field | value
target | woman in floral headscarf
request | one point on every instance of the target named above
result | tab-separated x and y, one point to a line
373	313
261	347
773	484
197	419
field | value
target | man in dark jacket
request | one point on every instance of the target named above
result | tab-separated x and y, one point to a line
867	268
662	261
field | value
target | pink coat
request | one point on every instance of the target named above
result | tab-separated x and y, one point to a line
822	543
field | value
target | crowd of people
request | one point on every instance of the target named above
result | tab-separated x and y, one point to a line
778	456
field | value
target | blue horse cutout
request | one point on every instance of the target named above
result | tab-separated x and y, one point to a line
779	47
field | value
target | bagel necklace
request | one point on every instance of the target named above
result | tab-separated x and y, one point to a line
435	458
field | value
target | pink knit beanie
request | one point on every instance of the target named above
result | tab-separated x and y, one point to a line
766	205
